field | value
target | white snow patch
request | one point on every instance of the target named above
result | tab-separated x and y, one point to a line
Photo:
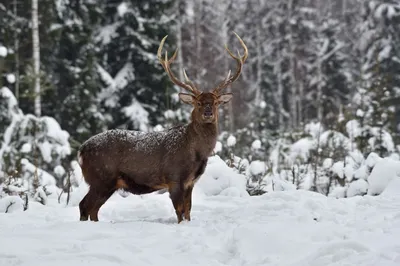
328	162
59	170
3	51
358	187
314	129
256	145
301	149
137	114
45	150
362	172
338	169
384	171
257	168
45	178
338	192
218	147
218	177
372	159
231	141
122	9
10	78
26	148
11	204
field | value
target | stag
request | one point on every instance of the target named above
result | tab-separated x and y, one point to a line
173	159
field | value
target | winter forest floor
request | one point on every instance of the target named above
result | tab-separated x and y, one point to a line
279	228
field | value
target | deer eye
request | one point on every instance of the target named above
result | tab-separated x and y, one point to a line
198	103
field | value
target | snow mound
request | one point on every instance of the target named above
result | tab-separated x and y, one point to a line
392	189
11	204
383	172
218	177
357	188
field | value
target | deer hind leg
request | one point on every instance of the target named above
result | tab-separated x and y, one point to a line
176	195
102	197
87	204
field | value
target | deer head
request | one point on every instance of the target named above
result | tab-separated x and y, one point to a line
205	104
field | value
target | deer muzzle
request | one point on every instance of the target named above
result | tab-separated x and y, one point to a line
208	112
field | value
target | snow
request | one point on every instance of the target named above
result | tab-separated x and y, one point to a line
26	148
231	141
225	230
218	147
122	9
61	137
362	172
45	178
383	172
11	204
358	187
338	192
137	114
256	145
328	162
314	129
107	33
257	168
59	170
3	51
10	78
338	169
45	150
372	159
301	149
219	179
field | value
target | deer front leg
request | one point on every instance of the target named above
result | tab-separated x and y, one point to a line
187	199
176	195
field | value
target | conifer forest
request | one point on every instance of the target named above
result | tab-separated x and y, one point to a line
316	106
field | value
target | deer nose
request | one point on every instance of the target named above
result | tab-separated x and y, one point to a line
208	111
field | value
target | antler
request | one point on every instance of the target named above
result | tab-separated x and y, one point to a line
240	61
189	86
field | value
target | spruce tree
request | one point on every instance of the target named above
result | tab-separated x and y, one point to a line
75	74
137	88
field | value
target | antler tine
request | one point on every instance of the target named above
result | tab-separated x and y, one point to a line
240	61
167	67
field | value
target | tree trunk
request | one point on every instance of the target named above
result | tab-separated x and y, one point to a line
36	58
16	50
292	70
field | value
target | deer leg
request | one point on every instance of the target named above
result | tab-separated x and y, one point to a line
187	198
102	198
86	204
176	195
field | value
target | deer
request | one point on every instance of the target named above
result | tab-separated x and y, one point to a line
144	162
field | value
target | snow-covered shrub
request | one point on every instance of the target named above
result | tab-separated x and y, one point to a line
220	179
10	204
32	147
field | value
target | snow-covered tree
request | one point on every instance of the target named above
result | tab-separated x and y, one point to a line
137	89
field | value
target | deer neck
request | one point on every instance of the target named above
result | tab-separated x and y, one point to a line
204	136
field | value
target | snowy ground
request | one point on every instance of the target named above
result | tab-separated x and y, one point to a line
279	228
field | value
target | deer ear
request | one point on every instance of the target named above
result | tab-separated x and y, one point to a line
224	98
186	98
